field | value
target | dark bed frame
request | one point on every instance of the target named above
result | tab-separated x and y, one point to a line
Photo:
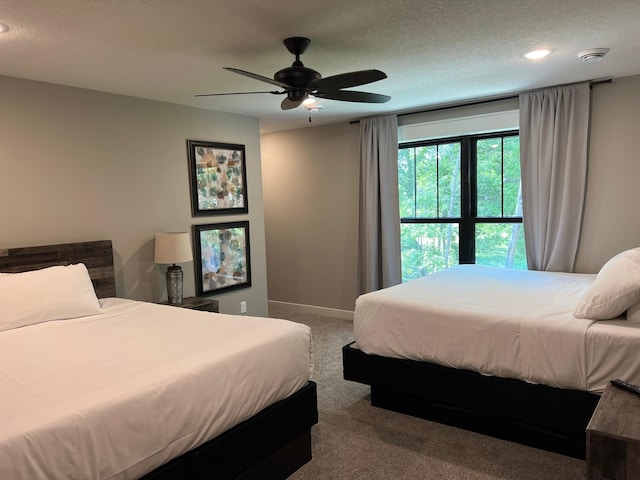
540	416
270	445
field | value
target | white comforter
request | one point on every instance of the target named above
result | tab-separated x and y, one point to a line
502	322
113	396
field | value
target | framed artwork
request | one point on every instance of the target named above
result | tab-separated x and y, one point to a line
222	259
218	178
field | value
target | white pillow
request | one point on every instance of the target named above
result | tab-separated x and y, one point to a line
52	293
615	289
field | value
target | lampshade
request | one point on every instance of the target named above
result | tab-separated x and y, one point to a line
173	247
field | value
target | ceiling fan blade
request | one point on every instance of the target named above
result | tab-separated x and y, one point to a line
347	96
255	76
350	79
275	92
289	104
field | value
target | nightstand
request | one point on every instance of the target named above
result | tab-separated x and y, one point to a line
198	303
613	436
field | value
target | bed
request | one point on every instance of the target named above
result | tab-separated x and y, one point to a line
520	355
95	386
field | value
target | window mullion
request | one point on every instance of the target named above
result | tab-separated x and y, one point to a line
438	181
467	178
502	174
415	183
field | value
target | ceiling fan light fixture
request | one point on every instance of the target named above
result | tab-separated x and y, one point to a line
314	107
310	100
3	28
593	54
536	54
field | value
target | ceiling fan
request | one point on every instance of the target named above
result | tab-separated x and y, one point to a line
299	82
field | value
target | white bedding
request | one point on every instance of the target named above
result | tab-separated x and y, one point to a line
114	395
502	322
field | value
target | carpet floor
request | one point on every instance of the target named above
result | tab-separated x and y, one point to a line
354	440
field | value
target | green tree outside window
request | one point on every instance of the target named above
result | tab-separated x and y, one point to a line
460	202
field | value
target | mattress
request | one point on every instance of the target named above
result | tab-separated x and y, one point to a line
115	395
501	322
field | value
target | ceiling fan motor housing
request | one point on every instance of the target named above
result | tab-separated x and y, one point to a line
297	77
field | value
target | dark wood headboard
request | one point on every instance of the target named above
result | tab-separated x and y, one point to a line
97	256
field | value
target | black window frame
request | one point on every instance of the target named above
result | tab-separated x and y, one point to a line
468	191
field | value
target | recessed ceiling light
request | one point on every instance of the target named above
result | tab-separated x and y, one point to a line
533	54
3	28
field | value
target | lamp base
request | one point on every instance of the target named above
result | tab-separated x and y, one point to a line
174	285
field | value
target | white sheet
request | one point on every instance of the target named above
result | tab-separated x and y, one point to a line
502	322
115	395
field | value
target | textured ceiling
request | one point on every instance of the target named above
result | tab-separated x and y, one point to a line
435	52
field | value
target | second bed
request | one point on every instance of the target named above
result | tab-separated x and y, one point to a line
495	350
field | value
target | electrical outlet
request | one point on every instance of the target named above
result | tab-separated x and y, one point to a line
243	306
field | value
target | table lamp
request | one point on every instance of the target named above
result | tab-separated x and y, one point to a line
172	248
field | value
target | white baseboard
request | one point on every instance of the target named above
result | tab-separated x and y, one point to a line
313	310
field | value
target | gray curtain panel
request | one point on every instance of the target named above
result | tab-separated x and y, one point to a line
379	226
554	131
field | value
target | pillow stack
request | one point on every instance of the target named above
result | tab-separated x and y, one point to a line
615	290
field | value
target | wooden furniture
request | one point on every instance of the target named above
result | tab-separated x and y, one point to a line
613	437
199	303
544	417
272	444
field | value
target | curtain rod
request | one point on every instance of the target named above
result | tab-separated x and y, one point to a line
592	84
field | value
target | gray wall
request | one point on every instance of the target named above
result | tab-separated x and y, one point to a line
310	192
612	219
310	179
80	165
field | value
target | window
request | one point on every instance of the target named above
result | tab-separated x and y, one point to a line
460	202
